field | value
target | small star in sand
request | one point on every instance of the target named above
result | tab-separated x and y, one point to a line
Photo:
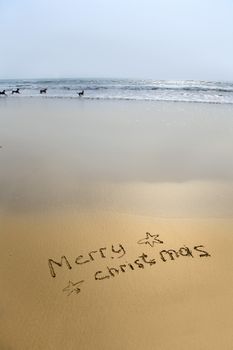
150	239
72	287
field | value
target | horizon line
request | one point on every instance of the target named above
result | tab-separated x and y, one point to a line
112	78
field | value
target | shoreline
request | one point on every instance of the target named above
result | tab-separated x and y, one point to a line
104	99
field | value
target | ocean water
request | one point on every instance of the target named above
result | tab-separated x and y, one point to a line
124	89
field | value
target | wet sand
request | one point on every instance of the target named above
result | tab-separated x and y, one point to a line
79	176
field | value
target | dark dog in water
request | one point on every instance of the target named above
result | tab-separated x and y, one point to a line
3	92
43	91
15	91
81	93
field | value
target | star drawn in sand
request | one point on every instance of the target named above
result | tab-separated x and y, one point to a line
72	287
150	239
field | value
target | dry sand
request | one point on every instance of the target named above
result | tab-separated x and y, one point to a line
86	181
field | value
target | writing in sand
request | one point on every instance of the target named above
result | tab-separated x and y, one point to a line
116	266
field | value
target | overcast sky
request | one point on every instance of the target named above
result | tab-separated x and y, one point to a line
158	39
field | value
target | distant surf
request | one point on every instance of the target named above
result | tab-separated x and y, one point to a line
124	89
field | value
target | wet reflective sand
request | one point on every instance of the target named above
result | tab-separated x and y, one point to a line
79	175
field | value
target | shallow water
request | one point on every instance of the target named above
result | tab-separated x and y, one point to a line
220	92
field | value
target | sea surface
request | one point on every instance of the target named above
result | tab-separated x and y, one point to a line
124	89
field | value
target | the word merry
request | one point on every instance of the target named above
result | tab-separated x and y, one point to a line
115	251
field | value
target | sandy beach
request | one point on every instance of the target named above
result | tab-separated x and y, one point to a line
116	222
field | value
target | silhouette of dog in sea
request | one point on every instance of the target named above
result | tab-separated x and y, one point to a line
43	91
81	93
15	91
3	92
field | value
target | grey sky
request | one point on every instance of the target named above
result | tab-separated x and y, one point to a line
159	39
